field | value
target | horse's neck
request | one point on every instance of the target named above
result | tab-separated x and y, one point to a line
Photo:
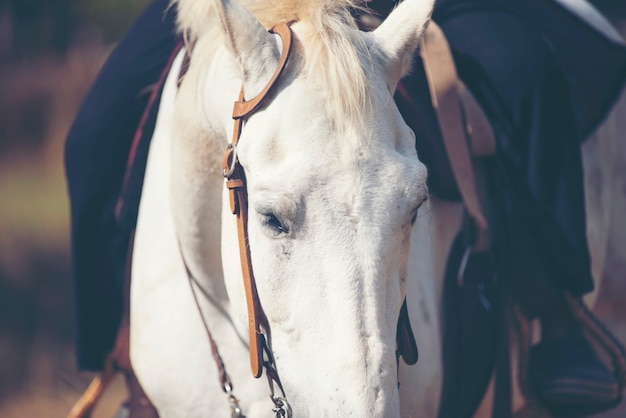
199	141
166	326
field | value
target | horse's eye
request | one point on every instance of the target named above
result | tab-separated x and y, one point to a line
271	221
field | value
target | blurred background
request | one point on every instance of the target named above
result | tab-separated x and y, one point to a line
50	51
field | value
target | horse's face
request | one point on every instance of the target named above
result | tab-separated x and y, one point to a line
329	227
331	205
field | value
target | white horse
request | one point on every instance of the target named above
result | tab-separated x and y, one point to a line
334	185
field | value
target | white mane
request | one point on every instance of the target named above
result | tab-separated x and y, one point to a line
333	45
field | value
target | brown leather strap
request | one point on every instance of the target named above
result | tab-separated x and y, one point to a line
444	86
478	128
224	378
239	207
243	109
85	405
236	184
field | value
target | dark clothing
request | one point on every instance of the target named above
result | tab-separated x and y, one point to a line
526	97
593	66
543	97
509	65
543	101
96	152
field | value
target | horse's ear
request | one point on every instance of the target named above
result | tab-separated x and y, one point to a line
252	45
399	35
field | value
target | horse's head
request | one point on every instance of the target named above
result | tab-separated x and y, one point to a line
334	184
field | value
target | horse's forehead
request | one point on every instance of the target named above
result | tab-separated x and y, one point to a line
343	180
297	137
300	116
312	146
295	140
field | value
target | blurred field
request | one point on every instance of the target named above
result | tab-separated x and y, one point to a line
39	96
39	99
50	52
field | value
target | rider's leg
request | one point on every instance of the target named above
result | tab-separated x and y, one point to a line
512	71
96	153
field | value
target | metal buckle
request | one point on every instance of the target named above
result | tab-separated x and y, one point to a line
235	409
281	409
460	278
231	152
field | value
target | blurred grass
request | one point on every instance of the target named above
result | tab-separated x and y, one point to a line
38	377
34	203
34	208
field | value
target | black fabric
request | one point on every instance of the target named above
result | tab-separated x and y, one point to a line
501	249
96	152
471	314
529	67
526	98
593	66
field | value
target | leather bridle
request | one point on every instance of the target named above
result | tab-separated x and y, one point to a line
236	184
259	330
